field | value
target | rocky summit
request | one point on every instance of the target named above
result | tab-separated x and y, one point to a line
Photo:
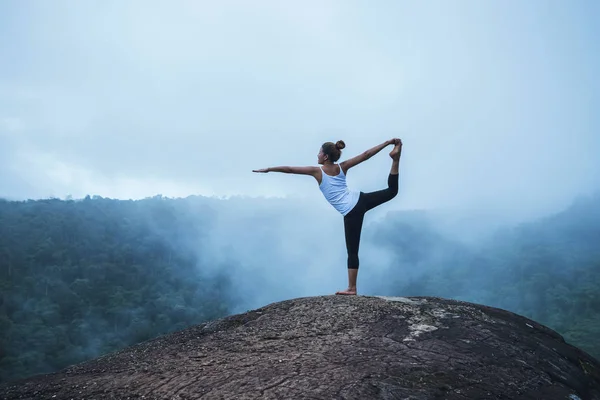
338	347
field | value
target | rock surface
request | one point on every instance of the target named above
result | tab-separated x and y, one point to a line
338	347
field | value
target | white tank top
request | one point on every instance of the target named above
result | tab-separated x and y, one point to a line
336	192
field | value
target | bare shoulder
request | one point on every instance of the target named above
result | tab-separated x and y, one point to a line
344	167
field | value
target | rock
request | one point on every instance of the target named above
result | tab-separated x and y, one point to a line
339	347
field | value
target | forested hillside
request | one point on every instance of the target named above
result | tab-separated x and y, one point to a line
82	278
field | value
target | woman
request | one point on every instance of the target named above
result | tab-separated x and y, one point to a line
353	205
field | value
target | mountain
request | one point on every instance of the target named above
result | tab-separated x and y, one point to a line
339	347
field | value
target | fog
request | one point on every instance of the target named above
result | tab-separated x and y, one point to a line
495	101
277	249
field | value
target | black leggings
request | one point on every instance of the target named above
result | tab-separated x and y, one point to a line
354	219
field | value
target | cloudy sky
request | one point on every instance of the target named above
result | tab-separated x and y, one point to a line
496	101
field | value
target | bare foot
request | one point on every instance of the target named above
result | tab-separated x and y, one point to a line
347	292
395	153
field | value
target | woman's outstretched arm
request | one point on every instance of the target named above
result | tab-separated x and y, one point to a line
346	165
290	170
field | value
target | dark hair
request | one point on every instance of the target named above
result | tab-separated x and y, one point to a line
333	150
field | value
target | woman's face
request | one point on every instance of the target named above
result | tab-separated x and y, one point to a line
321	156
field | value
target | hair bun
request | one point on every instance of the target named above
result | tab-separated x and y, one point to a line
340	144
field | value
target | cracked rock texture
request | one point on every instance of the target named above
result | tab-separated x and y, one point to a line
338	347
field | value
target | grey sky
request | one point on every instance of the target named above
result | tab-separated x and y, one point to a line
495	101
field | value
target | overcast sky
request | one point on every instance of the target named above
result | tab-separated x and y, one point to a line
496	101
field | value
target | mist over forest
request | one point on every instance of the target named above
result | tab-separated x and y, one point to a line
495	101
81	278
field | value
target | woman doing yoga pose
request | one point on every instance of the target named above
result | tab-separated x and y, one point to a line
353	205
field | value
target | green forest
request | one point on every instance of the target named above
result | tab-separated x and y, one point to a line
81	278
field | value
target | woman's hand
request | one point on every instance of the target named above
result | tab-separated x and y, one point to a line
393	141
263	170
